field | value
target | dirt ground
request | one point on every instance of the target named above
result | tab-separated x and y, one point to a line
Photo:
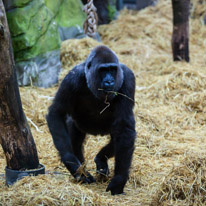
169	163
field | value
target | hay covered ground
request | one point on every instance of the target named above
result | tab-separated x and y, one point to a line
169	164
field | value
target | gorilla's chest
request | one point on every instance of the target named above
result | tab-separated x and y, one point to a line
89	115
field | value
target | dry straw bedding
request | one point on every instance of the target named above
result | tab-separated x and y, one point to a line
169	164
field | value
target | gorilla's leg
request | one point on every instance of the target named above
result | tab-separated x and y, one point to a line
124	147
101	159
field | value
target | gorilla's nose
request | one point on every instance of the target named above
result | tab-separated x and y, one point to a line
108	85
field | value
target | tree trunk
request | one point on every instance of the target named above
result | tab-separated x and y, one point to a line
15	135
180	37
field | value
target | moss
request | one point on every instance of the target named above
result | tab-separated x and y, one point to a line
49	41
70	13
33	30
19	19
54	5
18	3
34	27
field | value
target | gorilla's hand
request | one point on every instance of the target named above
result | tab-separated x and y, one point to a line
85	177
117	184
102	167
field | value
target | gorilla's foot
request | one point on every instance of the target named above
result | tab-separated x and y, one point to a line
116	186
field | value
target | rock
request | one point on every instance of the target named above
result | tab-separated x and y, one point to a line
70	13
75	32
42	71
10	4
49	41
135	4
36	27
33	30
144	3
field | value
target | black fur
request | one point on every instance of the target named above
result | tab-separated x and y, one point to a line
76	109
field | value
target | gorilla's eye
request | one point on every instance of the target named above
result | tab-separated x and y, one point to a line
108	68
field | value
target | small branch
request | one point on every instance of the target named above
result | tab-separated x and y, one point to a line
106	102
37	129
117	93
46	97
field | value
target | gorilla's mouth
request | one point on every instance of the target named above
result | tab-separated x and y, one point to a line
114	93
106	90
110	94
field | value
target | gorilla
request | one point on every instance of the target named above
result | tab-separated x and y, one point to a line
96	97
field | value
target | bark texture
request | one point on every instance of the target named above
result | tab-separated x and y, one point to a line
15	135
180	36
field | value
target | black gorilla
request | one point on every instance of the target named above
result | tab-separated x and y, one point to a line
89	100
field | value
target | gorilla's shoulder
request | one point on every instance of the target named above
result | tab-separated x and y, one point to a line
126	70
128	87
128	73
77	72
76	76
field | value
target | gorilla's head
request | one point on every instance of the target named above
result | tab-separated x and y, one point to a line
103	72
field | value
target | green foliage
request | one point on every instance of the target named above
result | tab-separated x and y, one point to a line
112	9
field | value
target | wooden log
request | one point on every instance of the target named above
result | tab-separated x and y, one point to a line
15	135
180	36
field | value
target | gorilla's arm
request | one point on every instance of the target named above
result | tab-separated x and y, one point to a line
57	124
56	119
123	134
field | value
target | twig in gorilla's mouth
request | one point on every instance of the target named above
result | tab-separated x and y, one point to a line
117	93
107	103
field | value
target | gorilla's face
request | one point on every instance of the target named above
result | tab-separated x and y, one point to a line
103	73
108	76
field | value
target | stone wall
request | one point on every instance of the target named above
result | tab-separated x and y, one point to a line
37	28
